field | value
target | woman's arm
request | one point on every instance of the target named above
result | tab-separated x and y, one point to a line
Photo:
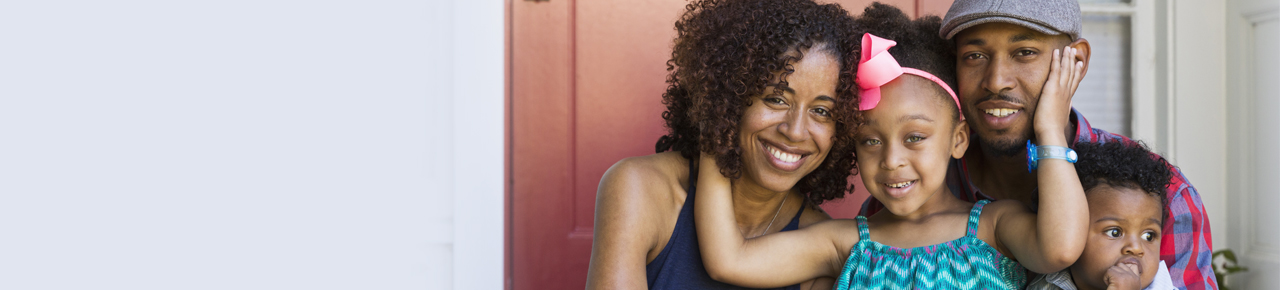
773	260
624	227
1058	232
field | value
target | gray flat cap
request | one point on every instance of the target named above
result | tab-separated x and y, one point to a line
1052	17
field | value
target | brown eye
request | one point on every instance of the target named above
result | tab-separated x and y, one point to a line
1149	236
822	112
1114	233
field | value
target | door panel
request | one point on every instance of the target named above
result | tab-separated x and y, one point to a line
586	85
1253	96
1262	253
1254	34
541	144
622	51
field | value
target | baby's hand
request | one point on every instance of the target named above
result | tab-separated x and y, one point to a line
1122	277
1054	109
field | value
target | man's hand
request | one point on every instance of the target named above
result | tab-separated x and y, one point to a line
1054	108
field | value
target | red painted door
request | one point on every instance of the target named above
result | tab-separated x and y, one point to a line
586	79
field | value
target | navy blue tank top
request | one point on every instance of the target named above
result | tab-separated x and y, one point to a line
679	265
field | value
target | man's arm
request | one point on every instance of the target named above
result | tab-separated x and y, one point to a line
1187	245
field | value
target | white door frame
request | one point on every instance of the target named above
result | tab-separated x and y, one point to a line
1253	133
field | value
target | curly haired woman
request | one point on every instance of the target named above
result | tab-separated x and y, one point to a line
767	87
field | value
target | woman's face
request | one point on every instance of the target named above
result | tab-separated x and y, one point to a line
786	137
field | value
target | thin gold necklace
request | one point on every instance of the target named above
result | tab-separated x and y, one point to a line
775	217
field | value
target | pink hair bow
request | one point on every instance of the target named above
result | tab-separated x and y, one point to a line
877	68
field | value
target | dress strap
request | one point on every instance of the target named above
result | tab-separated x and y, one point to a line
974	215
864	234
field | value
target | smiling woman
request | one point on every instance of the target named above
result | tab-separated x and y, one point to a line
765	85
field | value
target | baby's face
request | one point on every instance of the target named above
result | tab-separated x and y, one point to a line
1125	229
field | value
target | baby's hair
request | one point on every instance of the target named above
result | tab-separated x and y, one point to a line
1127	165
919	46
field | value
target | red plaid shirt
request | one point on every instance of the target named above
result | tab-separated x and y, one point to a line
1186	245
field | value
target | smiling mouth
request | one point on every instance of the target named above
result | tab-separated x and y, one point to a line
1000	112
900	184
784	160
784	156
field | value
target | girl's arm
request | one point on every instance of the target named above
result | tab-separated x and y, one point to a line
772	260
1058	233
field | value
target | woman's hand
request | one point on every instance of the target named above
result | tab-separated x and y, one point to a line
1053	111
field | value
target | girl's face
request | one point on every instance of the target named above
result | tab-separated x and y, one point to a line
907	142
1125	229
786	137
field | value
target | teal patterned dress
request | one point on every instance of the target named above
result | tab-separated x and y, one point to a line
964	263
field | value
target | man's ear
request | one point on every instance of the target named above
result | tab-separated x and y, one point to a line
960	137
1082	45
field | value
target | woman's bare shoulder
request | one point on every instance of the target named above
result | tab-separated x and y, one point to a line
657	170
637	204
654	182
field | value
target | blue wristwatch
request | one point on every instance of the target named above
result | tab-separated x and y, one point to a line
1035	153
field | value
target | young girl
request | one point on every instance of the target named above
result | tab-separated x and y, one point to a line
927	238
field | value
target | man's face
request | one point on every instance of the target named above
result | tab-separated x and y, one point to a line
1001	69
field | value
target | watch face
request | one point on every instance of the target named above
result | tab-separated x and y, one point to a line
1031	157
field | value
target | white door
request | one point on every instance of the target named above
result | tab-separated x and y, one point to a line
1253	78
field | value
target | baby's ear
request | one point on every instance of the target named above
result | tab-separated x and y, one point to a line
960	139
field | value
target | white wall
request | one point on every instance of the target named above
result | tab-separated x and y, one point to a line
1199	105
267	144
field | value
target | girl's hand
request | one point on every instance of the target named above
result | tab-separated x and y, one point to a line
1053	111
1122	277
709	178
1052	238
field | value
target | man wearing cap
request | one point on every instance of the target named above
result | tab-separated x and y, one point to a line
1003	51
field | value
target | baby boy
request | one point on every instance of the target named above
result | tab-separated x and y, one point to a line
1125	186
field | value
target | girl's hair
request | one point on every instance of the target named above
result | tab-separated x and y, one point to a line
919	46
727	51
1123	165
